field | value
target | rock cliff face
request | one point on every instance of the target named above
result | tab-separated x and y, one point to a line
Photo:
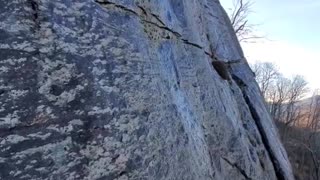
125	89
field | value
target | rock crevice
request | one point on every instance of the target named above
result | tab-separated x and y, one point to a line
125	89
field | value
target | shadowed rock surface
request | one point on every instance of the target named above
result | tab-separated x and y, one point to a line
125	89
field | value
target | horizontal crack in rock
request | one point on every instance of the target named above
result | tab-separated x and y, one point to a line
162	26
192	44
157	17
108	3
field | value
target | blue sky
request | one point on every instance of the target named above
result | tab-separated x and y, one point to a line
293	30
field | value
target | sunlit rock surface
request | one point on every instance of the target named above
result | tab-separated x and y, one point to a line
125	89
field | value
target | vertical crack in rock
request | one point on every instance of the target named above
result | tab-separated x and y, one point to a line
241	171
176	73
278	170
90	91
34	5
212	50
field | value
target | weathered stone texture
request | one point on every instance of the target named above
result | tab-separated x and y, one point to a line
125	89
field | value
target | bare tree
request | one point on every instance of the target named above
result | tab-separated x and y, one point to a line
278	95
240	11
307	148
281	94
314	112
266	73
298	120
310	137
298	88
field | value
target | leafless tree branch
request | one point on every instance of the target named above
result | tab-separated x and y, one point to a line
239	21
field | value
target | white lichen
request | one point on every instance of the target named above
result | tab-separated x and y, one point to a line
12	139
10	119
98	110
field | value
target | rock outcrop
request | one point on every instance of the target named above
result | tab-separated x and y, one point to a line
125	89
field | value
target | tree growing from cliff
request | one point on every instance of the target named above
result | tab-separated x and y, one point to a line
238	15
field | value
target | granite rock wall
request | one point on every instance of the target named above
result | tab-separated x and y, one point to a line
125	89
